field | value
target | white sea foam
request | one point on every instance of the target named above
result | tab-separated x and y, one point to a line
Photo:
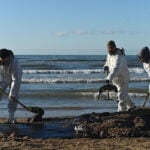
61	80
136	70
75	80
139	79
84	71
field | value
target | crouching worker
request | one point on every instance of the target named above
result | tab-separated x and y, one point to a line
116	65
10	76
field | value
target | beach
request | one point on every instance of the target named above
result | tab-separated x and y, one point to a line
75	75
67	87
14	142
74	144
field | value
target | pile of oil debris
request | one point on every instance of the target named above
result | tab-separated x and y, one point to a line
118	124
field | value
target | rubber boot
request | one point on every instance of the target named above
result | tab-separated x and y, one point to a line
12	106
121	106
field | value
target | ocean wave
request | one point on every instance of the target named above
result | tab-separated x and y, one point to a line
59	80
136	70
84	71
74	108
73	80
139	79
113	95
72	94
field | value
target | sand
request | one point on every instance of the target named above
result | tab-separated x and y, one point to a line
25	143
93	121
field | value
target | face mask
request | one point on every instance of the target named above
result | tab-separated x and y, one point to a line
144	55
145	58
6	63
112	52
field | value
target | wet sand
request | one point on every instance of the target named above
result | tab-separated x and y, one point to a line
12	141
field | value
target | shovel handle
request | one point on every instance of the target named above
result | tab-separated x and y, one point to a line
107	72
146	99
22	105
6	94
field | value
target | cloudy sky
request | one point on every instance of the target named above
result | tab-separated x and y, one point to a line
73	27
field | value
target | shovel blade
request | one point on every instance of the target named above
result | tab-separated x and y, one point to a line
107	88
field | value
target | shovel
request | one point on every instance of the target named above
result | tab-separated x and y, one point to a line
147	96
106	88
38	110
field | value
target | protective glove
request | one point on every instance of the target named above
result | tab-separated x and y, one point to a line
106	68
13	98
107	81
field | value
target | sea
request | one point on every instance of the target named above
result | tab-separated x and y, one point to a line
68	85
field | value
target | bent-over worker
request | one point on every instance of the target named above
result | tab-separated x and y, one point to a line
10	76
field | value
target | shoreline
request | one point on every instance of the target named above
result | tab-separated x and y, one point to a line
13	141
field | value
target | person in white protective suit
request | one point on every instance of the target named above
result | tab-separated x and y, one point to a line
144	56
10	76
118	73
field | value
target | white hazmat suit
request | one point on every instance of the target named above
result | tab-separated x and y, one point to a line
119	75
10	75
144	56
146	67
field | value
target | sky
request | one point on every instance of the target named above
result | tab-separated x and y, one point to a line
73	27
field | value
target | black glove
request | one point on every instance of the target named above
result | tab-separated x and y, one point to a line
107	81
106	68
